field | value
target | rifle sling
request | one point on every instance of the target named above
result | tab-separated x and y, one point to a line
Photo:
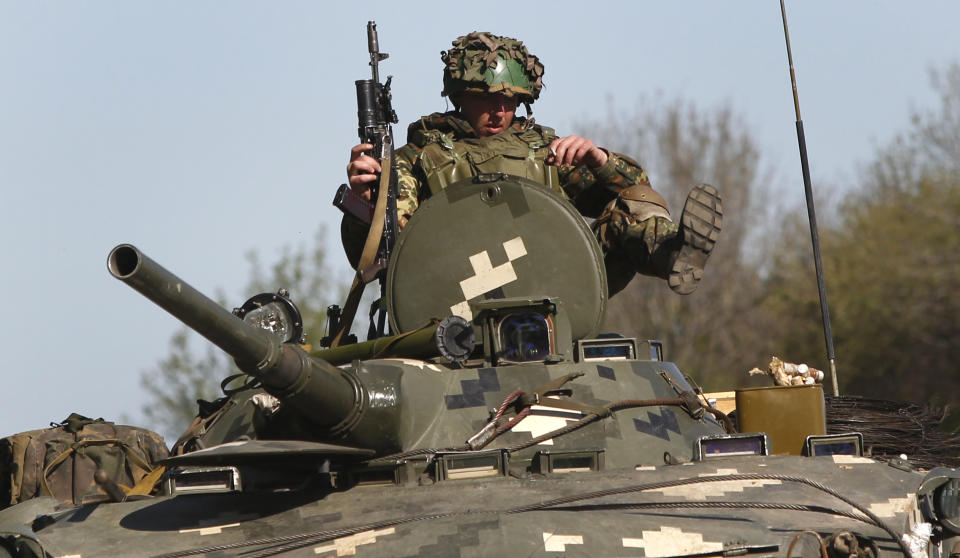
369	253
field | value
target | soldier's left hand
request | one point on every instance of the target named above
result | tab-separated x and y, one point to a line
574	150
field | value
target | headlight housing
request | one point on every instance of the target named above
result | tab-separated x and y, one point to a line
275	313
939	495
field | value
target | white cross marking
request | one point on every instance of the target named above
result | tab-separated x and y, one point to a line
347	546
210	527
212	530
671	541
538	424
718	488
891	507
486	277
558	543
515	248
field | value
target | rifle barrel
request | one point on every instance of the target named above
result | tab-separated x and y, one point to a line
373	46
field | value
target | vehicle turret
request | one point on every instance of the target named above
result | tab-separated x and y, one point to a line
507	329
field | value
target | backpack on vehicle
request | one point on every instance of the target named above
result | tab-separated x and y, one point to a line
61	461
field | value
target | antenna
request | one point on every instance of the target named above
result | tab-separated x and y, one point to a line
811	213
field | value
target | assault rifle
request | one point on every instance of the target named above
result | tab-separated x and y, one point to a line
375	115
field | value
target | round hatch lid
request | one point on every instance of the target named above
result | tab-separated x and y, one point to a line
495	236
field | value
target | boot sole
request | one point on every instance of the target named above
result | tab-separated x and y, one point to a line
700	226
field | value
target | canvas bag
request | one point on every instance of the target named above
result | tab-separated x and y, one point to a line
61	461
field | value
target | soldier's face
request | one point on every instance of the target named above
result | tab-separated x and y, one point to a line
488	113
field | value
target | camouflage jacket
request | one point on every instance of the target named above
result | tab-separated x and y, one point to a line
447	136
589	189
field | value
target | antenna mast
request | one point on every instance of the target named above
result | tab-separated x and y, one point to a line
811	213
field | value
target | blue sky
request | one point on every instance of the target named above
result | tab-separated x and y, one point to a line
200	131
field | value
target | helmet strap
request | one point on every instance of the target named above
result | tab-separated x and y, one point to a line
452	101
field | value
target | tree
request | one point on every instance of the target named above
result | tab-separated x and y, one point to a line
178	381
181	378
891	267
714	333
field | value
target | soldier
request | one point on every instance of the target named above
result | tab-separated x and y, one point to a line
487	77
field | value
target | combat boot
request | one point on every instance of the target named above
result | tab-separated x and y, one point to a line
681	260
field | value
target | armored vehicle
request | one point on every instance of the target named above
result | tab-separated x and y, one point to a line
496	420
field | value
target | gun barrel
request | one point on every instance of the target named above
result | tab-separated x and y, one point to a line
373	46
242	341
320	391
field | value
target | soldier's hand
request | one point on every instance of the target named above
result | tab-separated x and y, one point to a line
574	150
362	170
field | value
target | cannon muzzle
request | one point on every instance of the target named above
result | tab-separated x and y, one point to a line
323	393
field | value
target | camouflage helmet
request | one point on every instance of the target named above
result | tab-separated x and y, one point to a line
486	63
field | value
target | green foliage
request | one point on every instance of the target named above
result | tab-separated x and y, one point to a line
891	267
178	381
182	377
895	270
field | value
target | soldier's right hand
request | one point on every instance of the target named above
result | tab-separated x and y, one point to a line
362	170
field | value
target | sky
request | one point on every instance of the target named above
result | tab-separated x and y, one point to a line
199	131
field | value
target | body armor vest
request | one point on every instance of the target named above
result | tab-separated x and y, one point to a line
515	152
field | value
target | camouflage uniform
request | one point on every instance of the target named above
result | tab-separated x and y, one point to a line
632	222
442	148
